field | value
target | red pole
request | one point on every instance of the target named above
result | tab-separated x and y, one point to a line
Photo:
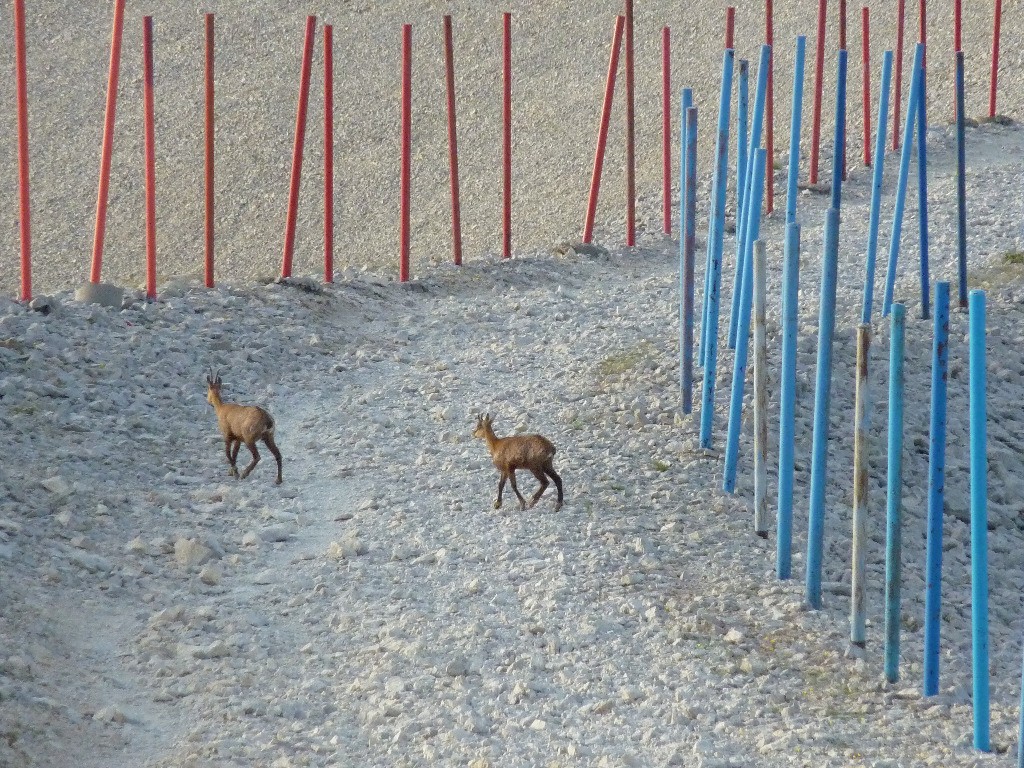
21	76
922	30
453	143
901	8
730	27
602	134
666	129
406	162
108	142
300	136
996	23
150	150
842	25
865	42
208	180
819	63
506	112
957	26
769	115
630	133
328	153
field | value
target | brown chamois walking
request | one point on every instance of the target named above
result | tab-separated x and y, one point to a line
242	424
532	452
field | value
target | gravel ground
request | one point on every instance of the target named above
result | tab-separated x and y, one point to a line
560	58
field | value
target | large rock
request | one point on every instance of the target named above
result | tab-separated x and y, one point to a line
104	294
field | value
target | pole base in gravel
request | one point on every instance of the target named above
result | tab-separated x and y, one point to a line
104	294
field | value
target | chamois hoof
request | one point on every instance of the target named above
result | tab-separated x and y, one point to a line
522	506
278	481
232	472
558	505
497	505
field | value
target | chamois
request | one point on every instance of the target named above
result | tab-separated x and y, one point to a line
242	424
533	452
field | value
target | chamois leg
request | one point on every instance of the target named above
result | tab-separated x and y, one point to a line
228	444
512	480
543	480
501	487
269	440
255	459
549	468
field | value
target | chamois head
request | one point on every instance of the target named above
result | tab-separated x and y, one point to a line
483	423
213	383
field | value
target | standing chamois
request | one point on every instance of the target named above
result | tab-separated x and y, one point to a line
242	424
533	452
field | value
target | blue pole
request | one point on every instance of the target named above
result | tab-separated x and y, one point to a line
839	150
742	173
787	398
685	102
961	178
755	142
822	397
689	230
979	517
901	184
922	192
716	219
936	491
876	190
794	129
742	102
717	226
739	369
894	495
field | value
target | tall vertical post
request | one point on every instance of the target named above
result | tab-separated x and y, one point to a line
865	54
630	132
743	271
961	180
979	522
108	143
730	26
936	490
819	71
760	393
993	81
743	163
755	195
300	137
685	102
822	404
716	226
328	153
149	151
839	147
901	183
876	191
453	141
794	129
787	400
901	8
858	582
21	79
666	130
689	242
405	171
922	189
769	109
506	136
602	132
208	167
894	495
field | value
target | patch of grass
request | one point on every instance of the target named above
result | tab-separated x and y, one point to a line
660	466
624	361
1013	257
1009	270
